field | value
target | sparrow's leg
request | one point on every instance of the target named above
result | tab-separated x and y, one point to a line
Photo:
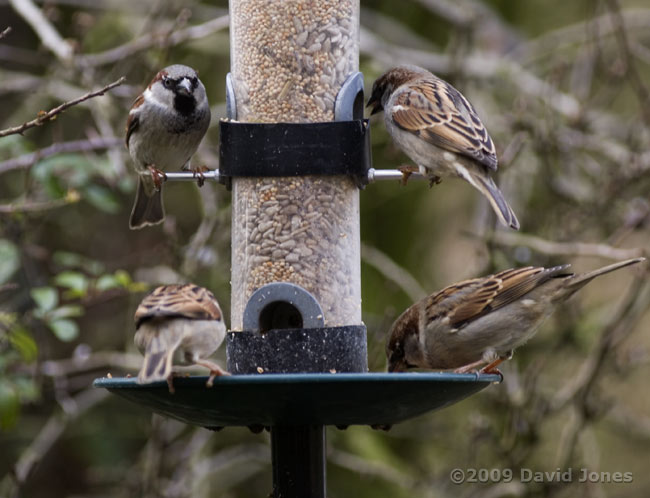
170	383
158	176
407	171
470	367
215	370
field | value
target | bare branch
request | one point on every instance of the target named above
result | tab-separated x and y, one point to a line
43	28
620	325
151	39
629	61
52	431
94	361
87	145
392	271
565	248
71	197
47	116
5	32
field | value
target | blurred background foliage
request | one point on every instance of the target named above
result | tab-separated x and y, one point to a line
563	88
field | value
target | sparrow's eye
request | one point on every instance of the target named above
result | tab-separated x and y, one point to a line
195	81
167	82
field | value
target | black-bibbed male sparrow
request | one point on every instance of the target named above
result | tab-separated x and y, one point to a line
178	324
165	127
482	321
437	127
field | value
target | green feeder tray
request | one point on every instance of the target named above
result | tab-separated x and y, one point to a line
301	399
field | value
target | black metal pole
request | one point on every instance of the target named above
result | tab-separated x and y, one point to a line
298	455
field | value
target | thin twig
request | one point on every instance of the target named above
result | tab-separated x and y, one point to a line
630	65
87	145
47	116
52	431
553	248
94	361
71	197
391	270
50	37
620	325
151	39
5	32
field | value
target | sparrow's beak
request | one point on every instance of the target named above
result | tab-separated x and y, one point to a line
376	105
185	86
396	365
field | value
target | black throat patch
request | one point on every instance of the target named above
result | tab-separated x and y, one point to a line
185	104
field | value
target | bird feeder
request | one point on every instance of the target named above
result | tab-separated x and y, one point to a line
295	152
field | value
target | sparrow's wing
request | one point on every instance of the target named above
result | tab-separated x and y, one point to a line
438	113
185	301
133	121
468	300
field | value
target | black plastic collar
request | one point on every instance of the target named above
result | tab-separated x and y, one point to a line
294	149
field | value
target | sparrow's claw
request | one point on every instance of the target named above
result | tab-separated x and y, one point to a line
492	367
434	180
198	172
215	371
170	383
407	171
158	176
470	367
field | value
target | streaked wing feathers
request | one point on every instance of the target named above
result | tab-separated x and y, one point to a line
187	301
133	121
471	299
441	115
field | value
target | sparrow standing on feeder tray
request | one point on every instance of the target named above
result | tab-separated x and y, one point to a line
482	321
182	322
165	127
437	127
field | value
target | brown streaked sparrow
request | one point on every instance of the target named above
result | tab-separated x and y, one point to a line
165	127
437	127
482	321
178	323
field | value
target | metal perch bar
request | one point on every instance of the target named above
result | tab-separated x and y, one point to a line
374	175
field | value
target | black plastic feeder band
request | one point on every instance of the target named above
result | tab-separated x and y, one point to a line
294	149
324	350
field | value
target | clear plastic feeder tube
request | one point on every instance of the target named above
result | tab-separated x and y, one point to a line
289	59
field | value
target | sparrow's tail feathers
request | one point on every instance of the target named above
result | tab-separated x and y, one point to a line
157	363
579	281
499	204
147	209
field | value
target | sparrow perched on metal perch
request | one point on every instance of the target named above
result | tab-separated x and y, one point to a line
437	127
165	127
178	322
483	320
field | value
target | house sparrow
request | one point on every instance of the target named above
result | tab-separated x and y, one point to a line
178	322
165	127
481	321
437	127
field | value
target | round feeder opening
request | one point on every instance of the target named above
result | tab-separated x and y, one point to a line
280	315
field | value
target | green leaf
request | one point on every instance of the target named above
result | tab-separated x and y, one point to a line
46	298
106	282
24	343
123	278
66	330
9	405
67	311
74	260
102	198
73	280
9	260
